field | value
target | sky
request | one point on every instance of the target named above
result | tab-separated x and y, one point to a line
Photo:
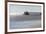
20	9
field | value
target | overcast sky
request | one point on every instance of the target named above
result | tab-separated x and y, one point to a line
19	9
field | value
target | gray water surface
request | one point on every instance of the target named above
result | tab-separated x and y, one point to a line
20	22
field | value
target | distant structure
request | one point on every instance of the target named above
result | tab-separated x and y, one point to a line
40	13
26	13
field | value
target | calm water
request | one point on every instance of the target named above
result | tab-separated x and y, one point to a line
23	21
25	24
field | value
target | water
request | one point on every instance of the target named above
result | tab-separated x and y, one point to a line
25	21
25	24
